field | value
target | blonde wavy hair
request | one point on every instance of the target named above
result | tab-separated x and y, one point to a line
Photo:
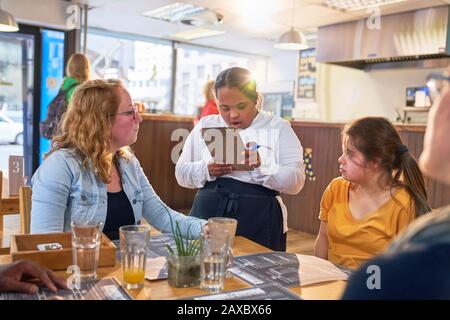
86	126
208	90
79	67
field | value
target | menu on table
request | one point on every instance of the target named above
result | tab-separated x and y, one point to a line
102	289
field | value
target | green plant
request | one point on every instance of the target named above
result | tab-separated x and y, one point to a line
184	246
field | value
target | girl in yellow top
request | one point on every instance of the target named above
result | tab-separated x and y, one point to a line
380	192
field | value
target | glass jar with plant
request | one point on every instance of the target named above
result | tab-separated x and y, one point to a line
183	262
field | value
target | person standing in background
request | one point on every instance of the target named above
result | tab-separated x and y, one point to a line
78	70
210	106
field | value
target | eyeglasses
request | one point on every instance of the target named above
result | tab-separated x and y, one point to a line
131	112
435	83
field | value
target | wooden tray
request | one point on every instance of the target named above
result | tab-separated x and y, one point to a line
24	246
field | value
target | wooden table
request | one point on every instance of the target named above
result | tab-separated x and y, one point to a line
160	289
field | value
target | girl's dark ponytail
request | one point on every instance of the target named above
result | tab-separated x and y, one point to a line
408	175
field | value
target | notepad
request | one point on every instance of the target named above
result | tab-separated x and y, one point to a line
226	147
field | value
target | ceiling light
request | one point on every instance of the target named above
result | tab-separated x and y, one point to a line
196	34
185	13
7	22
292	39
354	5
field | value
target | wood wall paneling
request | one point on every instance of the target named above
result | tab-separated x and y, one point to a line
153	149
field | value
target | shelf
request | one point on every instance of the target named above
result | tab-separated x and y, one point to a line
415	109
405	110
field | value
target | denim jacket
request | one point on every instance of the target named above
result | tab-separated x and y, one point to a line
65	191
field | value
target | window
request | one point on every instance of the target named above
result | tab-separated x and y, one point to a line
185	91
145	67
204	65
186	77
216	69
200	72
138	62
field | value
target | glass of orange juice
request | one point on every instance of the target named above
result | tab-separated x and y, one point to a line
133	250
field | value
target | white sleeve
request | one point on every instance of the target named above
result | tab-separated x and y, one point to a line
191	170
282	168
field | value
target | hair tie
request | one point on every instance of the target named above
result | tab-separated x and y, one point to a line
402	149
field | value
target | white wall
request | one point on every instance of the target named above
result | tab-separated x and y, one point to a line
47	13
282	66
344	94
349	93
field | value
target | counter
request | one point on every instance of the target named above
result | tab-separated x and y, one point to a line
154	146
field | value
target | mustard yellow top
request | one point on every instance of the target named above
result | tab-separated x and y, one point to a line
352	241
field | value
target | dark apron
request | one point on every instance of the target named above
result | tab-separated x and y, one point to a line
255	208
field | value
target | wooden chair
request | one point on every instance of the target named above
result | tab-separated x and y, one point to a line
25	209
4	251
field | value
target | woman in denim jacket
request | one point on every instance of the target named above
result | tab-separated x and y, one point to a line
90	174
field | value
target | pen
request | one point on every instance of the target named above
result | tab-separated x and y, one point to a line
253	147
256	147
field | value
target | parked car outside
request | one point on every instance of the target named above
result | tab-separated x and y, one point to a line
10	131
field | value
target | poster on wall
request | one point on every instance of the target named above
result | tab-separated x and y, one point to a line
306	77
278	98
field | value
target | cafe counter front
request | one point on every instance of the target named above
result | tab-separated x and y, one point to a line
158	136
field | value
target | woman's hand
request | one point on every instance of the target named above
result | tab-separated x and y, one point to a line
206	230
217	170
252	156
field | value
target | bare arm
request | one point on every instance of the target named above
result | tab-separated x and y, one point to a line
321	245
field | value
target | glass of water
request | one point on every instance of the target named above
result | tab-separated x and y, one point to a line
133	250
214	256
230	224
85	248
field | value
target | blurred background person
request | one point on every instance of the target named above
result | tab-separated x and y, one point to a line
210	106
78	71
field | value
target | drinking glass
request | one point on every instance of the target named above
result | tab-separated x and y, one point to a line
214	255
230	224
86	247
133	249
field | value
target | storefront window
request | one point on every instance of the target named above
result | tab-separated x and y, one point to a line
202	65
139	63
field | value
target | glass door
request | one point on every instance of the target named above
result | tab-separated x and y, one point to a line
16	98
